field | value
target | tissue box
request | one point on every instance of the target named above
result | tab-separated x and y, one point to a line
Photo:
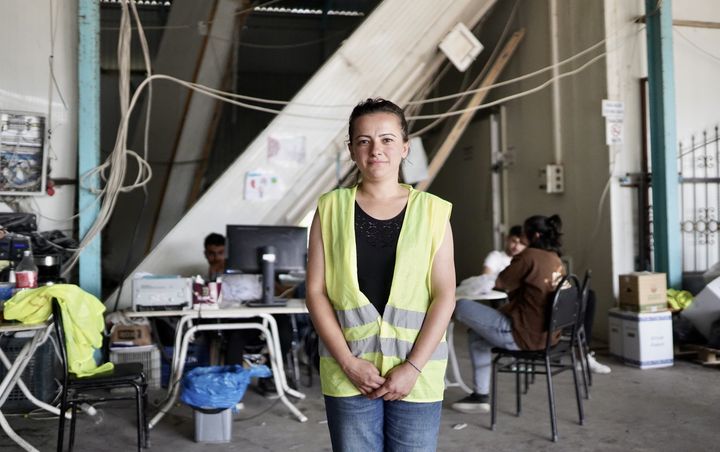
131	335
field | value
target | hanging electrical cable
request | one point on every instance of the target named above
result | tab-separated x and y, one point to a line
113	171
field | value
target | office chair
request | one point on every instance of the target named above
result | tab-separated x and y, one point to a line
562	315
126	375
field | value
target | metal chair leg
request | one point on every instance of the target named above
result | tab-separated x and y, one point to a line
61	427
493	402
139	415
518	403
73	412
583	364
585	348
551	399
146	429
581	415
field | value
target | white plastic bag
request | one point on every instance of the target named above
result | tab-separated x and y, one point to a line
474	286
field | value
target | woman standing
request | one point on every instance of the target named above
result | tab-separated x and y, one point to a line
529	281
380	291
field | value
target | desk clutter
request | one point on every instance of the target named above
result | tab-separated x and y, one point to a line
173	291
640	329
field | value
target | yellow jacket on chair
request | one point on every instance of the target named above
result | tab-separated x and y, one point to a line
383	340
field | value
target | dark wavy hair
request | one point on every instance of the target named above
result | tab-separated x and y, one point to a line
377	105
515	231
544	233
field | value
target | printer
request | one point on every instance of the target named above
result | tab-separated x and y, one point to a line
154	291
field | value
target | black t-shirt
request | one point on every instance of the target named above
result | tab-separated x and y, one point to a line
376	243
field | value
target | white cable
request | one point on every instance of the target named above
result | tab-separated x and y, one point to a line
513	96
116	162
413	104
697	47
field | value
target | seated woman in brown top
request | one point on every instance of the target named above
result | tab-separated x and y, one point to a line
529	281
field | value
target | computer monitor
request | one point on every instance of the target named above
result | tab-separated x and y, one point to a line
268	250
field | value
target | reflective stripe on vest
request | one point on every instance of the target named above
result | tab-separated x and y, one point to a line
388	347
385	341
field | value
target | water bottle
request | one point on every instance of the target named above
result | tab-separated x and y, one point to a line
11	274
26	273
94	413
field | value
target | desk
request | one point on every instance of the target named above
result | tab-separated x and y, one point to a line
453	377
40	331
184	332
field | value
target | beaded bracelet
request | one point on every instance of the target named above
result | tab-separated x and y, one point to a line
414	366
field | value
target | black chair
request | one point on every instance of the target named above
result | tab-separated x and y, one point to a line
562	314
96	388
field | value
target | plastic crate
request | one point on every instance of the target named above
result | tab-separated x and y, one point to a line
38	375
149	357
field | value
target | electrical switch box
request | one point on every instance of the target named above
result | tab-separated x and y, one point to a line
552	179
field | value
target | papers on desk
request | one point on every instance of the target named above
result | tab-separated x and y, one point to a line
241	287
474	286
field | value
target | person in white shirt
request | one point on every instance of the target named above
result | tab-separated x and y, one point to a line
496	261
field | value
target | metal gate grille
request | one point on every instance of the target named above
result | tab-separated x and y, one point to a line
700	201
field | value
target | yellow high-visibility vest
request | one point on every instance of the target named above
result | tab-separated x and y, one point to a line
384	340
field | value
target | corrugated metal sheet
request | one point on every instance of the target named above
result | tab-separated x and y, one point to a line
391	54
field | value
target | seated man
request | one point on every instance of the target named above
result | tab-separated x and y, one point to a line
215	255
496	261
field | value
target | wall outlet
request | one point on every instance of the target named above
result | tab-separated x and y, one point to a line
552	179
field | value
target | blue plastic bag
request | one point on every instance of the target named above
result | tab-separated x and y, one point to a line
218	387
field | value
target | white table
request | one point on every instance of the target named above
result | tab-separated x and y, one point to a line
40	331
227	313
453	377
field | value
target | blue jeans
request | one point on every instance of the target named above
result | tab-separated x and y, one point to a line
358	424
488	328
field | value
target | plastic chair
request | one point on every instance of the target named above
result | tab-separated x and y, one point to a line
126	375
562	314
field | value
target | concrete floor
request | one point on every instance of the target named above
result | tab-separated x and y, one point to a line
670	409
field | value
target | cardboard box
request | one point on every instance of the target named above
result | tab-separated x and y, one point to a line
641	340
643	292
131	335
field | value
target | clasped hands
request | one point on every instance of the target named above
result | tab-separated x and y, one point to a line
366	377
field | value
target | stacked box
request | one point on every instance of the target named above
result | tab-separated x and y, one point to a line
643	292
642	340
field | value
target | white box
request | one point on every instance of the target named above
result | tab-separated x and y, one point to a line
615	325
646	340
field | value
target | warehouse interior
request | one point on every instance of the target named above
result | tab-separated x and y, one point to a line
163	121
